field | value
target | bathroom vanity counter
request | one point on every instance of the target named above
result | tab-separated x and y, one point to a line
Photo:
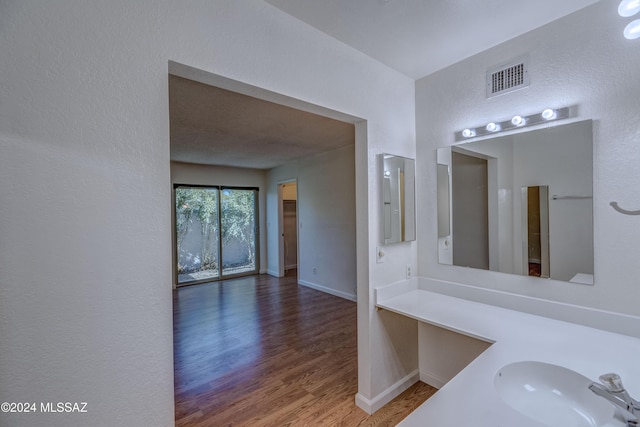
470	398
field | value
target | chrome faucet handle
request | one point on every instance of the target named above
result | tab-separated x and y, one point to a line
613	391
613	382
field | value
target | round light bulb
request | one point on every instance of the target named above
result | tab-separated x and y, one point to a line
632	31
517	120
492	127
468	133
628	8
548	114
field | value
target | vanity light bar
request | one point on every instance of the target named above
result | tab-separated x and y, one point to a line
514	122
627	9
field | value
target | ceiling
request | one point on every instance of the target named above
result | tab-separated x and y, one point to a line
419	37
210	125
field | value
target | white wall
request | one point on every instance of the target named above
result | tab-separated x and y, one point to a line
84	156
326	220
581	60
192	174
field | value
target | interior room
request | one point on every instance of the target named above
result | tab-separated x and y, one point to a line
89	167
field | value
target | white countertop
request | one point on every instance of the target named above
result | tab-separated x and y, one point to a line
470	397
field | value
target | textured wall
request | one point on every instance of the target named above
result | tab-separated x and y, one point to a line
581	60
84	156
326	220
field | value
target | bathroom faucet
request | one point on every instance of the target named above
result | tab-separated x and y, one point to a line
614	392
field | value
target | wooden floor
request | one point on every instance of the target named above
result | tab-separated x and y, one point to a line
264	351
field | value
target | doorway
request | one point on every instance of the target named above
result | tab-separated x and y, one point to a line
535	233
288	226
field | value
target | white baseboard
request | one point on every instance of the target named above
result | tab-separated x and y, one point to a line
273	273
432	380
290	267
372	405
350	297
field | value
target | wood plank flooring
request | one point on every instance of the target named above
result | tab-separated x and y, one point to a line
263	351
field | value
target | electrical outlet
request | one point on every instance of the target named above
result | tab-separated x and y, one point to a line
408	271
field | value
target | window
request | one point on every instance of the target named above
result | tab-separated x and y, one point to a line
215	232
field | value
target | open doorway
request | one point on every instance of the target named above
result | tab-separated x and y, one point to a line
288	226
227	132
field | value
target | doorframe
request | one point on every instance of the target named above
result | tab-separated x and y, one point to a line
281	258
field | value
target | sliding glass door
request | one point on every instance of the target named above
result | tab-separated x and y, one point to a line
238	207
215	232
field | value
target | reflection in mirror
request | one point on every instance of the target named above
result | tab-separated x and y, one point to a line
520	203
470	209
443	201
398	197
535	235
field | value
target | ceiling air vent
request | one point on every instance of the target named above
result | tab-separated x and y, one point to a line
507	78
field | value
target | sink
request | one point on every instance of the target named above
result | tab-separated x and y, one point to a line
552	395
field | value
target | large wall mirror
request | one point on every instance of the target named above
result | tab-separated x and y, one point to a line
398	199
520	203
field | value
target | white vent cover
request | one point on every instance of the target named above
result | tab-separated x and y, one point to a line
507	78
